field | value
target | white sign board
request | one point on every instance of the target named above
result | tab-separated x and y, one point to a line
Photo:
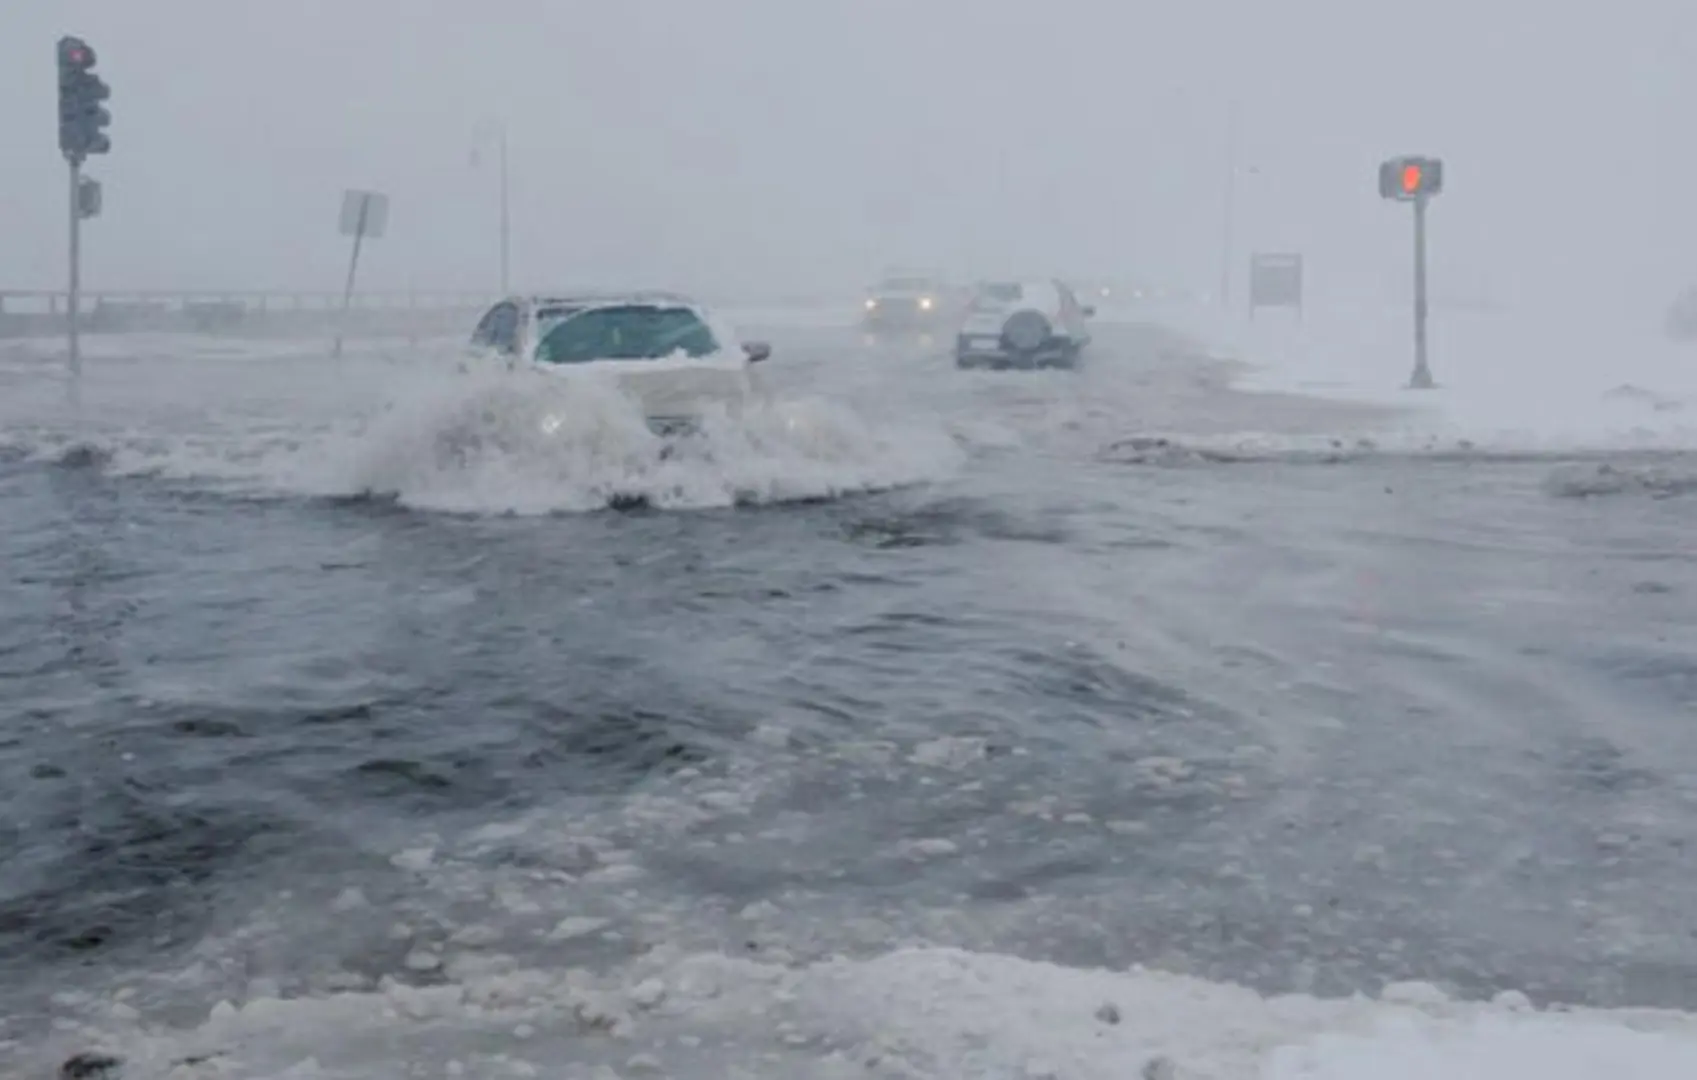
1275	280
364	213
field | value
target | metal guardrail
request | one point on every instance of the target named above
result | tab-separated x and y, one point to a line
53	301
30	312
274	312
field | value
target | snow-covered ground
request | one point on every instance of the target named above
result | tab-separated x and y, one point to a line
1510	379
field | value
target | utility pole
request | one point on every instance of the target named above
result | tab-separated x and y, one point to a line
82	119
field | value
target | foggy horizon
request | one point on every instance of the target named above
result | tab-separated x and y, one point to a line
758	147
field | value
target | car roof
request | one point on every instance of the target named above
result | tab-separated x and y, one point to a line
1038	289
631	296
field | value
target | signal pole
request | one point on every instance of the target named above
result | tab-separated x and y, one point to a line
1415	180
1422	377
81	122
76	276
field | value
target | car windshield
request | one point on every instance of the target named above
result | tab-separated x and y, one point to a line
905	285
999	295
549	317
627	332
556	312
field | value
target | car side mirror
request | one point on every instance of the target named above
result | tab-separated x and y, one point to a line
757	351
1089	311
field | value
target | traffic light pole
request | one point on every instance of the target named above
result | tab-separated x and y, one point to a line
81	118
1422	377
72	295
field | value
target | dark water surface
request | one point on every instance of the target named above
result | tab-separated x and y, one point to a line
1306	723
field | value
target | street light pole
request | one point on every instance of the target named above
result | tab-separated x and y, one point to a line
1229	210
480	136
506	217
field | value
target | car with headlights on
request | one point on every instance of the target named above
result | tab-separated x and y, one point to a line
669	353
1038	323
903	303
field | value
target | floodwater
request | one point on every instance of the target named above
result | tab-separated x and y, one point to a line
324	750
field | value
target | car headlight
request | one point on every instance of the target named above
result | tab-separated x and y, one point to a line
870	304
924	303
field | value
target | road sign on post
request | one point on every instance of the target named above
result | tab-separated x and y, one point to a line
364	214
1415	180
82	123
1275	280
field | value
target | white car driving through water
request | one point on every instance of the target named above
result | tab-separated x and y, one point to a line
667	352
1023	324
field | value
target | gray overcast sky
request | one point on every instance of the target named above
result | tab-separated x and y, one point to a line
755	145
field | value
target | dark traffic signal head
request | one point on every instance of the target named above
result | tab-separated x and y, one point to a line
81	116
1410	178
75	54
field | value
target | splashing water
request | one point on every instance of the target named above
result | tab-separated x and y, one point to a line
487	442
494	444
